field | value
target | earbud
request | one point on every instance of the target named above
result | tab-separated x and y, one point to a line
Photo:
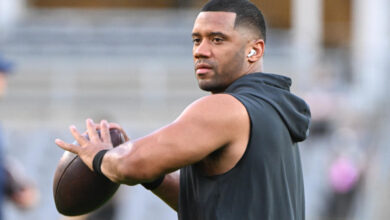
253	52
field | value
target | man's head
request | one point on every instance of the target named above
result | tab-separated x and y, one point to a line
224	34
5	69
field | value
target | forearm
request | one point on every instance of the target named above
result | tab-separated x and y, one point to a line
114	165
169	189
142	160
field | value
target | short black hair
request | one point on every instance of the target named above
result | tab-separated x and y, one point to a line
246	13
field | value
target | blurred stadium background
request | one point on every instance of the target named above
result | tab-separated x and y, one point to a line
130	61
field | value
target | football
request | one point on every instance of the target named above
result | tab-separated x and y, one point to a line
78	190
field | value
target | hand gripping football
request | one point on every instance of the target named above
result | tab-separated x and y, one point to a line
78	190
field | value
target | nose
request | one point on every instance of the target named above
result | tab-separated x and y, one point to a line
203	50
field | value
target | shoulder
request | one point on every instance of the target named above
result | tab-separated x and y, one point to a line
217	106
219	115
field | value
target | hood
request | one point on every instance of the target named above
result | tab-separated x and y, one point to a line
275	89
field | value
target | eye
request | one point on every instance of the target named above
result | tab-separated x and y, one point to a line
196	41
217	40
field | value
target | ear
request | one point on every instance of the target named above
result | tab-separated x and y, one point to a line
258	46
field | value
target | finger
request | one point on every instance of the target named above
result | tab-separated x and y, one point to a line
66	146
92	133
114	125
105	132
77	136
117	126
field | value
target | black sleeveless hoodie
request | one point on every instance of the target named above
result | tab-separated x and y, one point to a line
267	182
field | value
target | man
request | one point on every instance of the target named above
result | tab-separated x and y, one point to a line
13	184
236	148
5	68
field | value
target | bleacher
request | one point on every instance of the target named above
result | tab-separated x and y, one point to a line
135	66
71	64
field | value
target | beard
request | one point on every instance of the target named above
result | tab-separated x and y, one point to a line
217	84
221	79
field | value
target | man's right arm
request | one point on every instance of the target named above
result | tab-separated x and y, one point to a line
206	125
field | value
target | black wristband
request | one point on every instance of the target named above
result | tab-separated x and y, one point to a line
153	185
97	162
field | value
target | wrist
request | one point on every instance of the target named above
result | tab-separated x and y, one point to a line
97	162
155	184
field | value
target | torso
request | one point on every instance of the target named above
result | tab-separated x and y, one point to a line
262	175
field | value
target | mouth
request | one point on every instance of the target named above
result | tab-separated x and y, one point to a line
202	68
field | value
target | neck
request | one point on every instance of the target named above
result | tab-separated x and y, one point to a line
255	67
